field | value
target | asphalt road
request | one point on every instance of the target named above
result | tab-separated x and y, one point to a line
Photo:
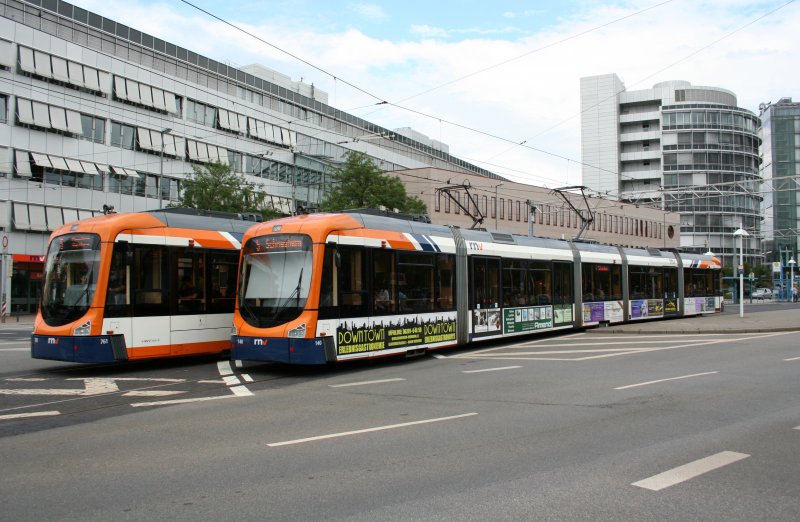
589	426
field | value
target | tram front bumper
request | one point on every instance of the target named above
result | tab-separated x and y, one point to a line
317	350
89	349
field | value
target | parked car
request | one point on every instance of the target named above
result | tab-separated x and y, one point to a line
762	293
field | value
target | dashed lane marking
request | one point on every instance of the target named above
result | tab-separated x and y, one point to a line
368	430
492	369
664	380
364	383
689	471
27	415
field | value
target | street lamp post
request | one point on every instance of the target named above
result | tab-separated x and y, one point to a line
741	233
792	262
161	170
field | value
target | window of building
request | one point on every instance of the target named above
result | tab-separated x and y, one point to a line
494	207
502	208
123	135
120	184
94	129
3	108
519	211
201	113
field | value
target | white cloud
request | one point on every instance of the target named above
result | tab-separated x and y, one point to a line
368	11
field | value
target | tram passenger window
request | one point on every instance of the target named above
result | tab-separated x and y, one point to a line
415	282
328	292
223	281
191	290
118	295
445	276
514	292
540	289
149	272
601	282
353	299
384	282
562	283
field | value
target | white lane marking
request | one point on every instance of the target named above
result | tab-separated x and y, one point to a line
215	381
241	391
92	386
368	430
26	415
792	359
797	427
151	393
231	380
364	383
689	471
15	349
25	379
224	368
664	380
238	363
439	356
181	401
247	378
492	369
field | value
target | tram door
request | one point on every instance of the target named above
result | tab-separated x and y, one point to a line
484	297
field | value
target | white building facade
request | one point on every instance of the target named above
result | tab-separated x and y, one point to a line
679	147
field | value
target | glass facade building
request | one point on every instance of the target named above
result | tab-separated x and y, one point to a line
680	147
780	151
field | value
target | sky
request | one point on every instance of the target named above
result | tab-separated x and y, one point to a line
498	82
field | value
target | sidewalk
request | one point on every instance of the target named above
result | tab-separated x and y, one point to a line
757	318
16	321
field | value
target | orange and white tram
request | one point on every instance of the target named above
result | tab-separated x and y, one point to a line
141	285
323	288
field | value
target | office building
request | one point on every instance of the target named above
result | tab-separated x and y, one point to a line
679	147
780	152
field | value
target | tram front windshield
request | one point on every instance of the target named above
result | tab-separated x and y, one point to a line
70	277
275	279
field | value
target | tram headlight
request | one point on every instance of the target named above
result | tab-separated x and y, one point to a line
234	330
82	330
299	332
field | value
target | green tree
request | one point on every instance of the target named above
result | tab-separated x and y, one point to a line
217	187
360	184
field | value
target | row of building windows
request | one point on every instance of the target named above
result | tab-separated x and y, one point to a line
710	119
511	210
710	140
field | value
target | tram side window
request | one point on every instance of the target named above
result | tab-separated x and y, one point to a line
646	282
191	293
540	288
670	283
149	274
329	288
514	293
601	282
223	267
352	283
445	287
384	283
562	283
700	283
485	287
118	295
415	281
